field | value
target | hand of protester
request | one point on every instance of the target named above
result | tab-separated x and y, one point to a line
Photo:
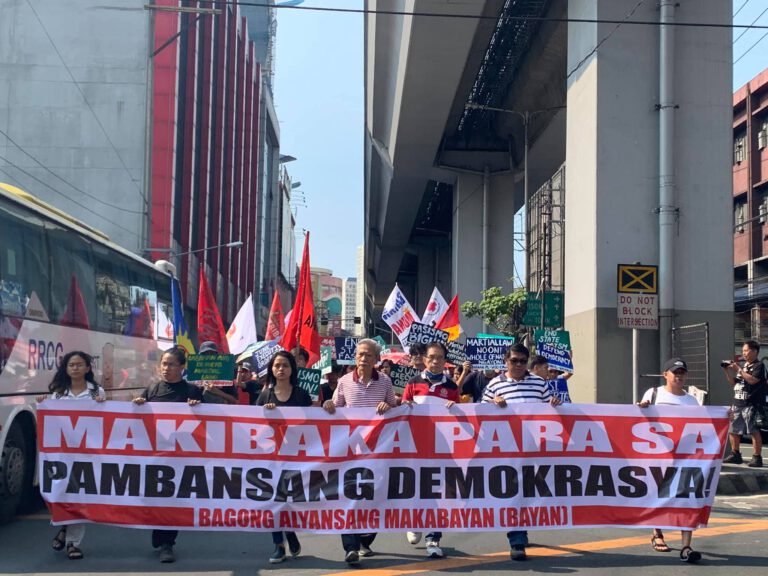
449	404
500	402
329	406
270	406
408	403
644	403
193	402
140	400
100	399
555	401
382	407
207	385
467	365
40	398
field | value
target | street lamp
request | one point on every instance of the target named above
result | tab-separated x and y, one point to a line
235	244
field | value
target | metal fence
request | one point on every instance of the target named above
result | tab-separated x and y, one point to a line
691	343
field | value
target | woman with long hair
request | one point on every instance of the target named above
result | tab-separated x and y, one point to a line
73	380
283	390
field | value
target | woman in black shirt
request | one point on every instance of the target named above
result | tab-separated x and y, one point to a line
283	390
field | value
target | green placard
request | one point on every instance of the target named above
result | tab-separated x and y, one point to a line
555	346
326	360
380	340
309	380
496	336
553	313
216	368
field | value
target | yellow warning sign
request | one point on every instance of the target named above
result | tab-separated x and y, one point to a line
638	279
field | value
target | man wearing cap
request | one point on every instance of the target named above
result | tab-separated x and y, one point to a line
673	393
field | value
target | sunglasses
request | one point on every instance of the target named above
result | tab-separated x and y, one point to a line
518	361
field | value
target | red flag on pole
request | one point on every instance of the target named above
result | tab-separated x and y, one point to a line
209	325
449	321
75	314
302	328
276	323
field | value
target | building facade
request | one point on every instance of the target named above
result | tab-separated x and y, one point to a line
750	210
349	307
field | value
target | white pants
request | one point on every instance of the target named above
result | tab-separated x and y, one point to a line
75	533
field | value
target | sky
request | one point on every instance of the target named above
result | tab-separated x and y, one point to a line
320	103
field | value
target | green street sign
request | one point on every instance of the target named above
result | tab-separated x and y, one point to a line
553	312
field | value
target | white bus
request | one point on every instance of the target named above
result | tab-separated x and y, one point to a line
64	286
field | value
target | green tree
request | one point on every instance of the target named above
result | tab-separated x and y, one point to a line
502	311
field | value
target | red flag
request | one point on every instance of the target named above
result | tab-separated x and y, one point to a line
209	325
449	321
75	314
276	323
302	328
143	323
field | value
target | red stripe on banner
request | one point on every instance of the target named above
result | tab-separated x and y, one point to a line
123	515
652	517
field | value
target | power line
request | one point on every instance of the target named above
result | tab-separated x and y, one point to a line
753	21
741	8
604	39
751	47
729	25
87	103
44	167
20	169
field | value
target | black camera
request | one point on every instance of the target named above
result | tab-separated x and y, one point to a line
725	363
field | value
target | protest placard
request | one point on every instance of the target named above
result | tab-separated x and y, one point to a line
330	342
555	346
261	357
487	353
456	352
424	334
345	350
325	364
309	380
219	369
400	376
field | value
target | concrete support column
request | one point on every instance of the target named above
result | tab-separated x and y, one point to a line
612	186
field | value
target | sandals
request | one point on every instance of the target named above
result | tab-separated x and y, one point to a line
74	553
657	541
60	540
689	555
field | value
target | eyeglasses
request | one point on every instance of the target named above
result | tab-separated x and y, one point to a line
244	370
435	358
518	361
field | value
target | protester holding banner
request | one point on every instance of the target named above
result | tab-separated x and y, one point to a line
245	383
73	380
283	390
672	394
364	387
515	386
172	388
431	384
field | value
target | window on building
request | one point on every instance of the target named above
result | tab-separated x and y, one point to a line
739	149
739	215
762	136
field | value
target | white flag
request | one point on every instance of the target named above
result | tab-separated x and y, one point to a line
242	333
399	315
435	308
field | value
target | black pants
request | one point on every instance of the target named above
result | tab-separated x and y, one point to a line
163	537
352	542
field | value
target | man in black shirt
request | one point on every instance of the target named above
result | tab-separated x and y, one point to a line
749	390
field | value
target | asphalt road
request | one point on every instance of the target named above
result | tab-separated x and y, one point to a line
736	542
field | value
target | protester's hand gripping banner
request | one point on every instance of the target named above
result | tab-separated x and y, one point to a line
470	467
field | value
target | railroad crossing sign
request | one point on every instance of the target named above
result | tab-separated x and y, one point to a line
638	279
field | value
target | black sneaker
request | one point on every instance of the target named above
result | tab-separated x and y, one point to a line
166	554
278	555
734	458
352	557
756	462
518	552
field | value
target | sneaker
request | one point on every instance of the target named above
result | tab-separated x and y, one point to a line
517	552
365	551
278	555
756	462
433	549
734	458
166	554
413	537
352	557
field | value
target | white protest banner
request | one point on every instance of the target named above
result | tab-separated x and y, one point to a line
487	353
476	467
399	315
423	334
435	308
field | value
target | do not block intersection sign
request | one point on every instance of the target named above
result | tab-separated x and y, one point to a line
638	300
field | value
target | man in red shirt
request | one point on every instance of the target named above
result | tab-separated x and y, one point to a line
432	386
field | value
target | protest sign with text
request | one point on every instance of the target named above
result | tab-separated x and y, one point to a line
399	315
555	346
219	369
345	350
309	380
487	353
456	352
475	467
424	334
262	355
325	364
400	376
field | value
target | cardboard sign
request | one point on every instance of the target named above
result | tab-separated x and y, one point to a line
325	364
216	368
400	376
345	350
555	346
487	353
424	334
330	342
261	357
309	380
456	352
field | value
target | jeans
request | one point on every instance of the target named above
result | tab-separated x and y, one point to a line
352	542
277	539
433	536
163	537
517	538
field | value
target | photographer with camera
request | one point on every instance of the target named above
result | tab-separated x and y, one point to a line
749	388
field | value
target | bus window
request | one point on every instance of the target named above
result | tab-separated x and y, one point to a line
73	291
113	294
24	275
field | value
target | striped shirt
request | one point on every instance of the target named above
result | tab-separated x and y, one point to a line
352	392
530	389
